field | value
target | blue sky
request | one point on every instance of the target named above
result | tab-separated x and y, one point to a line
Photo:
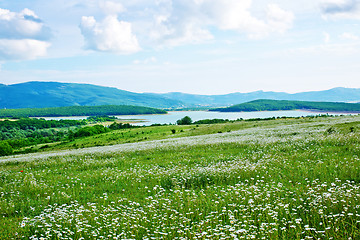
193	46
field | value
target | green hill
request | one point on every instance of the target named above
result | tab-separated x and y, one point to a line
278	105
79	111
54	94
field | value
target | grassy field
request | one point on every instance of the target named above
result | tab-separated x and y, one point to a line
163	132
277	179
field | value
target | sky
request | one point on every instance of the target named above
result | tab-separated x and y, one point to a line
191	46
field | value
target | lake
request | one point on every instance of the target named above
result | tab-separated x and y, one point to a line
173	116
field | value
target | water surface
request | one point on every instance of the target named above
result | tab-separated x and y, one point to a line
173	116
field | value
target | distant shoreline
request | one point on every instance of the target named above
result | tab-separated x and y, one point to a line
322	111
300	110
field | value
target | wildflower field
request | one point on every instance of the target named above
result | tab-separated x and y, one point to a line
279	179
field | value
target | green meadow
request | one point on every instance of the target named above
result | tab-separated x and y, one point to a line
275	179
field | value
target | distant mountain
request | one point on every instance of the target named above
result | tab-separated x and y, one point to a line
279	105
53	94
332	95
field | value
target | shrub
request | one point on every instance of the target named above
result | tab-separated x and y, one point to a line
90	131
116	126
211	121
330	130
5	149
184	121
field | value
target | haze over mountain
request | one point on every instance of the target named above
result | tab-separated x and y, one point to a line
54	94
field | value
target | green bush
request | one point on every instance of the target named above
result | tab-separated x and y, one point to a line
116	126
5	148
90	131
184	121
211	121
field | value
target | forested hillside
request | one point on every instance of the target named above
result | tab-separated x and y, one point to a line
277	105
53	94
79	111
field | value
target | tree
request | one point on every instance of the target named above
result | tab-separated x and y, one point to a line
184	121
116	126
90	131
5	148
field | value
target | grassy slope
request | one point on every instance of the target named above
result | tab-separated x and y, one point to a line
280	179
157	133
277	105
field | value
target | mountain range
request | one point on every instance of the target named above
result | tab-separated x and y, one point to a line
55	94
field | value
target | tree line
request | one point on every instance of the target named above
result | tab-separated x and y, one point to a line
281	105
79	111
18	134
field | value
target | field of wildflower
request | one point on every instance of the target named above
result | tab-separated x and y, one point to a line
279	179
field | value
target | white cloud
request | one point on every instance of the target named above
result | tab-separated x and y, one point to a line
25	24
349	9
23	35
278	19
349	36
234	15
110	7
177	23
180	22
188	32
110	35
15	49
